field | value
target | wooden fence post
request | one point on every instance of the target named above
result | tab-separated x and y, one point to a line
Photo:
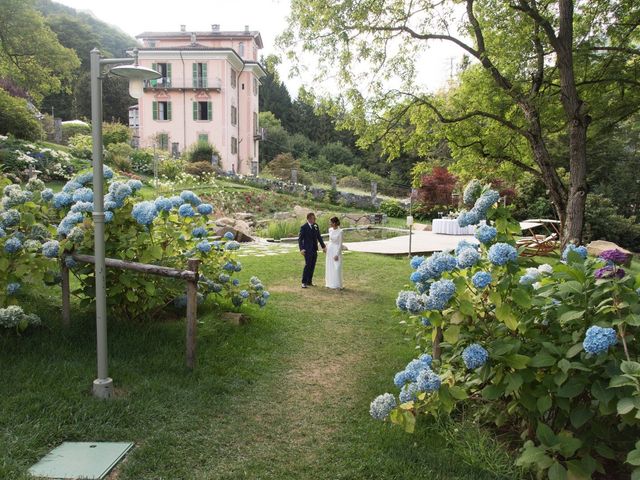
66	295
192	312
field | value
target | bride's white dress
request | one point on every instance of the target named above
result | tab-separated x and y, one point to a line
333	270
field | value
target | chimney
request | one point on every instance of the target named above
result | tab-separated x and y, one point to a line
193	38
183	28
246	29
215	27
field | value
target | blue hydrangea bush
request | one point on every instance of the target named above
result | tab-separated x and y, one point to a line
546	350
40	229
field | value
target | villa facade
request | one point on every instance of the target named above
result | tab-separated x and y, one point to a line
209	91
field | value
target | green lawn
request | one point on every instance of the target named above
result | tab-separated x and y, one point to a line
284	397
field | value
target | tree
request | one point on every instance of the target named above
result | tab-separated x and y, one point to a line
541	74
30	54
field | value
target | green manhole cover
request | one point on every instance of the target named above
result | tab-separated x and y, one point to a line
81	460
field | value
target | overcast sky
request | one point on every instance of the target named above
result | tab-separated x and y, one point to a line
267	16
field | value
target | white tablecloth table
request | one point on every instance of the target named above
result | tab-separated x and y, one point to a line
449	226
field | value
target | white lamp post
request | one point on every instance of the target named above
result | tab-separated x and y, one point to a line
103	385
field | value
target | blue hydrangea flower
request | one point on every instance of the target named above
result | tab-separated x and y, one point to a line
426	359
71	186
481	279
205	209
486	234
401	300
236	282
474	356
69	222
237	300
84	178
464	244
109	203
46	194
598	339
82	207
416	261
439	294
244	294
265	294
62	199
414	367
51	249
415	277
581	250
382	406
485	202
468	258
2	233
229	266
10	218
135	185
409	392
638	291
70	262
204	246
119	192
186	210
199	232
423	287
468	218
229	236
163	204
502	253
428	381
238	267
471	192
13	288
190	197
76	235
176	201
401	378
144	212
83	195
530	277
232	245
223	277
438	263
215	287
425	322
13	245
107	173
108	216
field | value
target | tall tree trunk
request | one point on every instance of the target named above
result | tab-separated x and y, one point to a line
578	122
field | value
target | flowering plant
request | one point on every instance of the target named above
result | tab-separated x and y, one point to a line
546	350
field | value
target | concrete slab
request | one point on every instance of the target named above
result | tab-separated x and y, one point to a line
421	242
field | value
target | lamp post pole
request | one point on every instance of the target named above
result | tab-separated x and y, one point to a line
103	385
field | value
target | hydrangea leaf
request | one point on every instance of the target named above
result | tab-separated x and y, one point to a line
574	350
580	415
532	455
543	403
570	315
542	359
631	368
517	361
626	405
506	316
546	435
633	457
451	334
572	388
568	444
521	297
492	392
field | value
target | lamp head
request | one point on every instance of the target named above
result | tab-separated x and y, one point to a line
136	76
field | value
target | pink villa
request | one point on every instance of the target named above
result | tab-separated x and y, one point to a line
208	92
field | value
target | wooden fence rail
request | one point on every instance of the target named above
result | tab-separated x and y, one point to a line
190	276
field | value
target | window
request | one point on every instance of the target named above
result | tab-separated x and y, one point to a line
163	141
199	75
203	138
234	145
255	86
255	124
161	110
202	111
241	49
151	43
165	70
234	115
234	78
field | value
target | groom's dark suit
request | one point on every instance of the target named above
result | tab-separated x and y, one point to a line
308	241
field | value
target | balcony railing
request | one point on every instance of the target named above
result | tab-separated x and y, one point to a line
200	82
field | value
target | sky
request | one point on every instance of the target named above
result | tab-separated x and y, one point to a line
269	17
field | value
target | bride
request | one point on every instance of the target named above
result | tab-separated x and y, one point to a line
333	270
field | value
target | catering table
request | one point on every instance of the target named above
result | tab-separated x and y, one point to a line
449	226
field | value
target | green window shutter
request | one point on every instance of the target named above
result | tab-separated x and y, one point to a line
195	75
195	110
203	138
168	110
204	75
154	82
209	111
155	110
169	74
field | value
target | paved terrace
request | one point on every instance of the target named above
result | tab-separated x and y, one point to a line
421	242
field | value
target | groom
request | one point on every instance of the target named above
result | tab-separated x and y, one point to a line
308	242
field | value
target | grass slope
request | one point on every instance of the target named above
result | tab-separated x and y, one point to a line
284	397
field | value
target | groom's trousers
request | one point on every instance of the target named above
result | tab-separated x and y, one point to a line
310	259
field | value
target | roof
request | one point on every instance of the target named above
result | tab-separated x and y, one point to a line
207	34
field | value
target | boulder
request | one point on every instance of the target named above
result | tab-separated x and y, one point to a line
283	215
301	212
243	216
240	229
358	219
596	247
224	221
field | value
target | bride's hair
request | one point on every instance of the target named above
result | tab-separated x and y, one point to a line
335	221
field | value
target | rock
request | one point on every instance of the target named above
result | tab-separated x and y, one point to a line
301	212
596	247
357	219
241	231
283	215
235	318
243	216
225	221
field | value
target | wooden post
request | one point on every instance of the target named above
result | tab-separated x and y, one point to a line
192	312
66	295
